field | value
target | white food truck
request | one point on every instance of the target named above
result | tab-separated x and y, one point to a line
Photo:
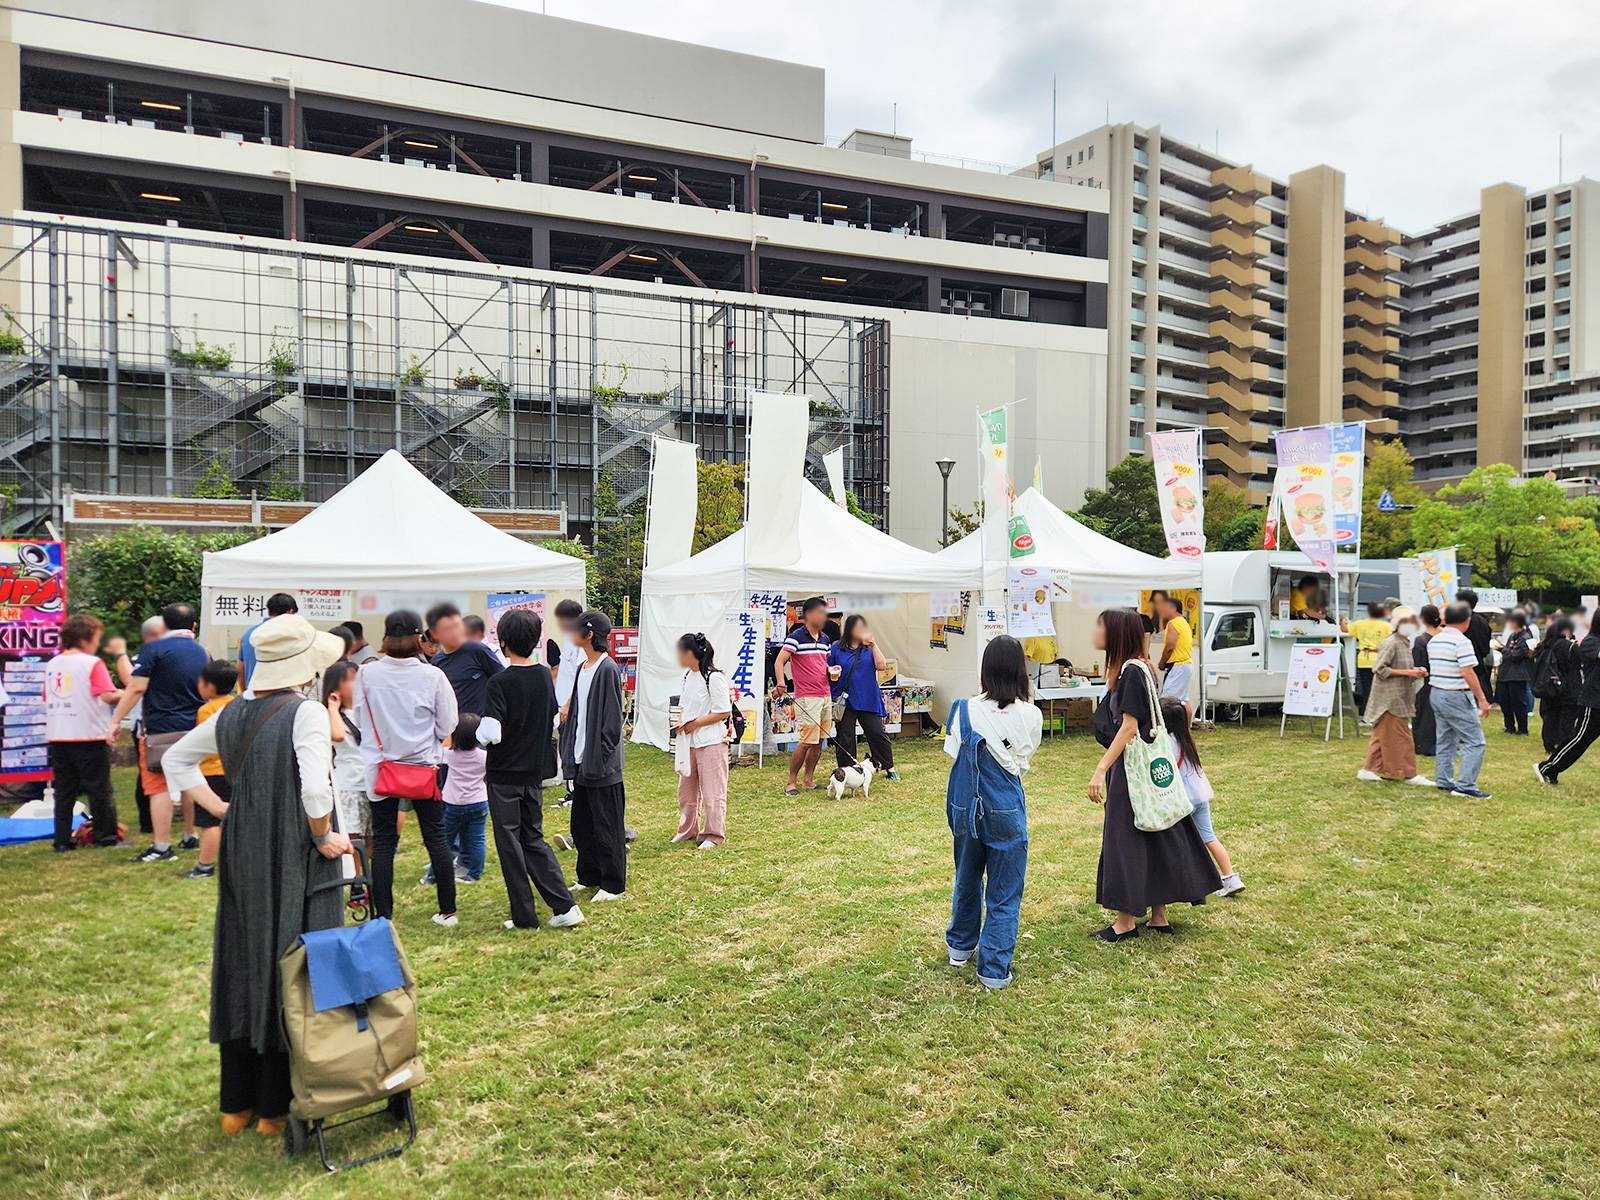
1258	603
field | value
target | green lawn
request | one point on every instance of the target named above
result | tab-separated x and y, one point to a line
1404	1003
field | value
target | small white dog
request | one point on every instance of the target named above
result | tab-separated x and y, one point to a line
858	776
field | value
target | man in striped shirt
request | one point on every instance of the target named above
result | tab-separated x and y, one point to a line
805	656
1459	704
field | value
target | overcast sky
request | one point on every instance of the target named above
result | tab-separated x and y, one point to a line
1419	103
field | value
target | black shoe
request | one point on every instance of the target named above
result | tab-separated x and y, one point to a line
63	847
189	841
201	871
1153	928
1110	934
151	854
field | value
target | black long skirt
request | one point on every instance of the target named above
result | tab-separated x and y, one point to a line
1139	869
1422	729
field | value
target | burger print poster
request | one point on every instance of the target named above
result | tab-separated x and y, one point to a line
1028	602
1176	455
1313	683
1305	483
1346	443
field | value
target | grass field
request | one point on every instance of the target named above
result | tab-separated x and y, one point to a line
1404	1003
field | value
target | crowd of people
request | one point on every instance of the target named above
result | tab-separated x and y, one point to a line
314	744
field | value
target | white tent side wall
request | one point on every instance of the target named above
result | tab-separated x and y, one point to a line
662	620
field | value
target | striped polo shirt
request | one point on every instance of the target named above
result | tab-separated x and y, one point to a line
808	661
1449	654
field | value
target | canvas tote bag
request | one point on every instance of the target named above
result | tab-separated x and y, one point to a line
1154	789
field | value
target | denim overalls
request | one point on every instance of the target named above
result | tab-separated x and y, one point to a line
989	822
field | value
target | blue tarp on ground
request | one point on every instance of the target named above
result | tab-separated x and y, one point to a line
16	830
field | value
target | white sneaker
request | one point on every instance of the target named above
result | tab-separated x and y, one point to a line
514	925
1232	885
602	894
578	887
448	922
1421	781
573	916
683	837
562	842
1367	776
1542	777
708	844
960	958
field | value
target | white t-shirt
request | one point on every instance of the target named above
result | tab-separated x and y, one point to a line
349	769
701	697
1011	734
1195	783
583	681
567	676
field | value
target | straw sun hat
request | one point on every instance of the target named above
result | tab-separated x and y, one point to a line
1401	613
289	653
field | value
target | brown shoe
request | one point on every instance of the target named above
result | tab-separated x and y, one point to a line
271	1126
235	1123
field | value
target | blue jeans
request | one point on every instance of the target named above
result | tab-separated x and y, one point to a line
989	824
463	833
1455	716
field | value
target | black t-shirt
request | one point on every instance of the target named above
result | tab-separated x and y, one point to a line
1131	699
523	700
469	670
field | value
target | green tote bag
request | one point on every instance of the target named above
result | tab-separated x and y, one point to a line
1157	794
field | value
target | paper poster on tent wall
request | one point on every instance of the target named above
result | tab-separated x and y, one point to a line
248	606
376	605
501	603
776	606
1028	602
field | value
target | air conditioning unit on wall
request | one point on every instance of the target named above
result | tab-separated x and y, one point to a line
1014	303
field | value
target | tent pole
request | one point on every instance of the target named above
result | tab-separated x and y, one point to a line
744	587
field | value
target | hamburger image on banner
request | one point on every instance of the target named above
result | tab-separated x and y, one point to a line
1175	454
1305	475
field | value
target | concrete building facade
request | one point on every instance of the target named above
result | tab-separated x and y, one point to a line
575	156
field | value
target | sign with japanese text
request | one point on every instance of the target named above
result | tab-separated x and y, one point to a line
1176	455
500	603
33	604
1305	472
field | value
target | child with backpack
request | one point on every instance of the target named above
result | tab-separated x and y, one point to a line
705	702
1198	787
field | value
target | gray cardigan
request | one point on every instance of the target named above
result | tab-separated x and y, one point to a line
602	741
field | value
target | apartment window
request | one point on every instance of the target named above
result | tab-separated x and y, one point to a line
1080	155
1091	153
1535	231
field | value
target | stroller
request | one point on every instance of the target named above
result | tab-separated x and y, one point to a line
350	1018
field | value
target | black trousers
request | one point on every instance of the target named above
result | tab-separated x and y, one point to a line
1553	717
1363	687
254	1082
1584	727
879	746
84	768
140	800
598	833
386	840
1512	696
515	812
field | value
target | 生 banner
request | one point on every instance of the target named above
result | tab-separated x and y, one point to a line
1305	477
1176	455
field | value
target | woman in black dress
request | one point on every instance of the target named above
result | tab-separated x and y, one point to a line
1422	727
1138	870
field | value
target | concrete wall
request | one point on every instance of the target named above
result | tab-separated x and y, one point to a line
1585	278
492	46
10	151
939	379
1500	324
1314	337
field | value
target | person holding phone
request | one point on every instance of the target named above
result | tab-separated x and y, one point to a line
854	662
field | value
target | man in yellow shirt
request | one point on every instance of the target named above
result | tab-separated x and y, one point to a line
1177	648
1369	633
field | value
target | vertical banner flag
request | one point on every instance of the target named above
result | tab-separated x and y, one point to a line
674	498
33	604
747	627
1269	526
1428	578
993	442
1305	472
833	464
1348	443
1176	455
779	427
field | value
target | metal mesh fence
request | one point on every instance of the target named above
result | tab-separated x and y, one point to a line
147	363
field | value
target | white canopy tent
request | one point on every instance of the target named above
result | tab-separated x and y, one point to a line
392	531
1104	573
838	554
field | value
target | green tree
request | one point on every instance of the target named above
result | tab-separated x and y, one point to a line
1521	533
854	508
214	482
719	510
618	561
1127	509
1225	504
1241	533
125	576
1388	535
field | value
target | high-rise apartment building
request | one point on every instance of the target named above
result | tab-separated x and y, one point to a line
1236	303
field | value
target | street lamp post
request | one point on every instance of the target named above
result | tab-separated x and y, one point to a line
945	465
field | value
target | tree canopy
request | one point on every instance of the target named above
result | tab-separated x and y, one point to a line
1127	509
1388	535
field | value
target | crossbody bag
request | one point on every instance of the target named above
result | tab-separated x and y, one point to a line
405	781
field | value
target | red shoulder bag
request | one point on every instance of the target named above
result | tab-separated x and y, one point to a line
407	781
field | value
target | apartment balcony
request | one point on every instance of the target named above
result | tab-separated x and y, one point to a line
1192	207
1172	352
1236	366
1178	385
1239	275
1369	393
1242	180
1239	335
1236	241
1173	289
1172	320
1249	215
1248	308
1369	230
1444	396
1225	392
1372	368
1240	462
1370	259
1371	313
1238	427
1370	339
1376	286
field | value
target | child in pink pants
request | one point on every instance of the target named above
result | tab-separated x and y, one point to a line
705	702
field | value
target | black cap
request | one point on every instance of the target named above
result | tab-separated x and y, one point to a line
402	622
598	626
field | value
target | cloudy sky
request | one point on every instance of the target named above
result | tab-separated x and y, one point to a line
1421	103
